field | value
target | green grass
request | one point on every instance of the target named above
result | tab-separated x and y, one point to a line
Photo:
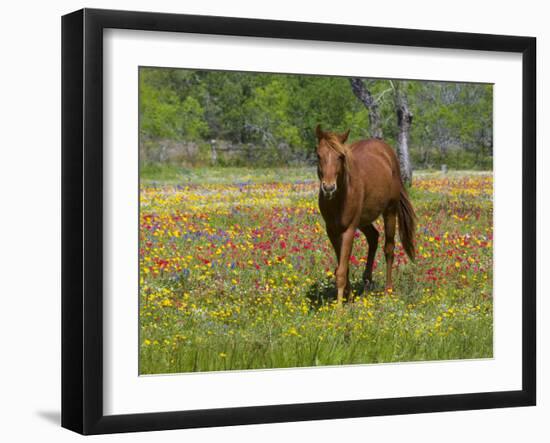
236	273
171	174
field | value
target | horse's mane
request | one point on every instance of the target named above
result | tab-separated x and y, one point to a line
340	148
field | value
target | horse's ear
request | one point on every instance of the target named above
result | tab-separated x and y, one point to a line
319	132
344	136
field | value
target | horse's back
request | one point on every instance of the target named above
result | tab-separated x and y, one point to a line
377	168
374	156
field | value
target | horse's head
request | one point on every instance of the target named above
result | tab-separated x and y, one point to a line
332	156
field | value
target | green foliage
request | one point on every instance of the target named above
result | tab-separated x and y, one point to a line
452	125
160	115
165	113
267	110
193	125
277	113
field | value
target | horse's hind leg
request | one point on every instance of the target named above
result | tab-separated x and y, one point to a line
372	239
390	222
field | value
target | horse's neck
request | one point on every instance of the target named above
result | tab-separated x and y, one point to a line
348	174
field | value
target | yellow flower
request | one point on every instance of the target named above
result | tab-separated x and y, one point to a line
293	331
222	354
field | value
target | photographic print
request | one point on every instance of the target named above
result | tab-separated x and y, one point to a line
294	221
296	218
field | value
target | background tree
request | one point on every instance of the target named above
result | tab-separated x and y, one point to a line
404	122
365	96
274	116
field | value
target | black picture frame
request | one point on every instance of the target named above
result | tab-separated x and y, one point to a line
82	218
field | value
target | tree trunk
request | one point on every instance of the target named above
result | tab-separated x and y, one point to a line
404	121
364	95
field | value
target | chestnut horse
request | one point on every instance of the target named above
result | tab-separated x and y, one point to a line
358	183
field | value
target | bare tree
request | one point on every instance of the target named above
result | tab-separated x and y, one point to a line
364	95
404	121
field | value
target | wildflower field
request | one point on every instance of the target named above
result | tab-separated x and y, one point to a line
236	272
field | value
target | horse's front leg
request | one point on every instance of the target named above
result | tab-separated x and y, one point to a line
336	241
342	281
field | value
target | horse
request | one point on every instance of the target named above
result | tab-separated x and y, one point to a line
358	183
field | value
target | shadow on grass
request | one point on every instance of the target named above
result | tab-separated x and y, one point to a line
324	292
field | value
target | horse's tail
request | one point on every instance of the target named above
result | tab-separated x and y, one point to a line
407	223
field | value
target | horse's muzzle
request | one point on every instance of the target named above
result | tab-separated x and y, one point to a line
328	190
